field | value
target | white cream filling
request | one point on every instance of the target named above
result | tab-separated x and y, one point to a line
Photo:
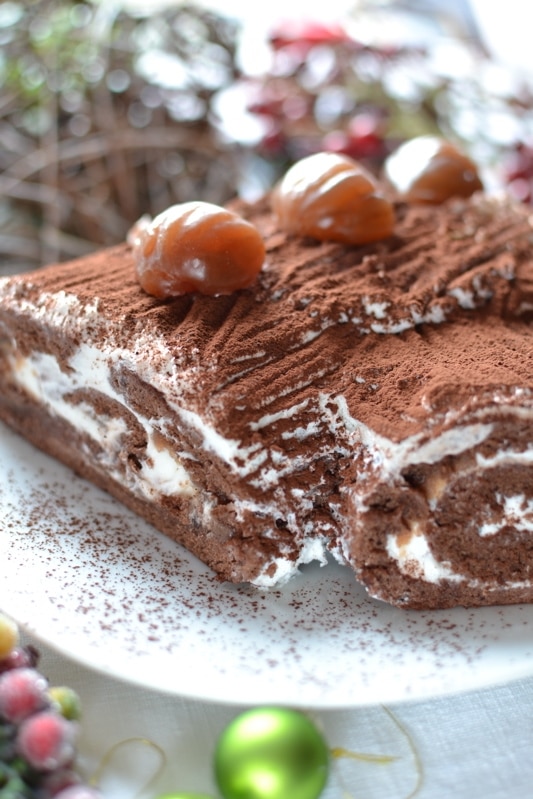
40	376
271	418
464	297
243	460
415	559
525	458
517	511
390	457
163	472
312	550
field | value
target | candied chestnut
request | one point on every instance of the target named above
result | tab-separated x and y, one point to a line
329	196
430	170
196	247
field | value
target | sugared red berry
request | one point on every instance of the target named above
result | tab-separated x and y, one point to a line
362	139
196	247
303	35
19	658
46	741
37	729
332	197
54	782
430	170
517	172
79	792
9	636
22	692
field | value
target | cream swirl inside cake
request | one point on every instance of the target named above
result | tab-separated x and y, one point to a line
369	402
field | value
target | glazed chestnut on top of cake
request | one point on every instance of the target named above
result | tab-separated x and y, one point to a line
429	169
196	247
331	197
370	402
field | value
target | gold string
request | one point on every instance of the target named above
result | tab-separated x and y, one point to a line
108	757
339	751
414	751
336	752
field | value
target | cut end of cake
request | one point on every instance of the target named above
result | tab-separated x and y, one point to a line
371	403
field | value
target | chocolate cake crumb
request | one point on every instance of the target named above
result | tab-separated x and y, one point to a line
371	403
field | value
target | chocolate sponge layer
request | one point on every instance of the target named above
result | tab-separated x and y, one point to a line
374	402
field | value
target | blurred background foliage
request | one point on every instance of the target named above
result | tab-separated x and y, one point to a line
107	114
104	116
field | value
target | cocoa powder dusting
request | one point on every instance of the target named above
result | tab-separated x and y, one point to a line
323	309
404	337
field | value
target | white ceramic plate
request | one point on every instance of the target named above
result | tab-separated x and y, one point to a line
94	581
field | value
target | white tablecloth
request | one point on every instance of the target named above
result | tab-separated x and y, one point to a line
138	744
467	746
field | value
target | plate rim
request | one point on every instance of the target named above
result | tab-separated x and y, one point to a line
66	645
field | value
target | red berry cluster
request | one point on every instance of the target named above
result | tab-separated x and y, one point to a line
37	732
326	90
313	98
518	172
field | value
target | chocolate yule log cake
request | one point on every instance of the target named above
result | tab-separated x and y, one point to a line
370	398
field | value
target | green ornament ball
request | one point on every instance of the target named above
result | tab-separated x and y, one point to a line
271	753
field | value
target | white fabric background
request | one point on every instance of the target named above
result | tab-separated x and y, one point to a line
472	745
475	745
